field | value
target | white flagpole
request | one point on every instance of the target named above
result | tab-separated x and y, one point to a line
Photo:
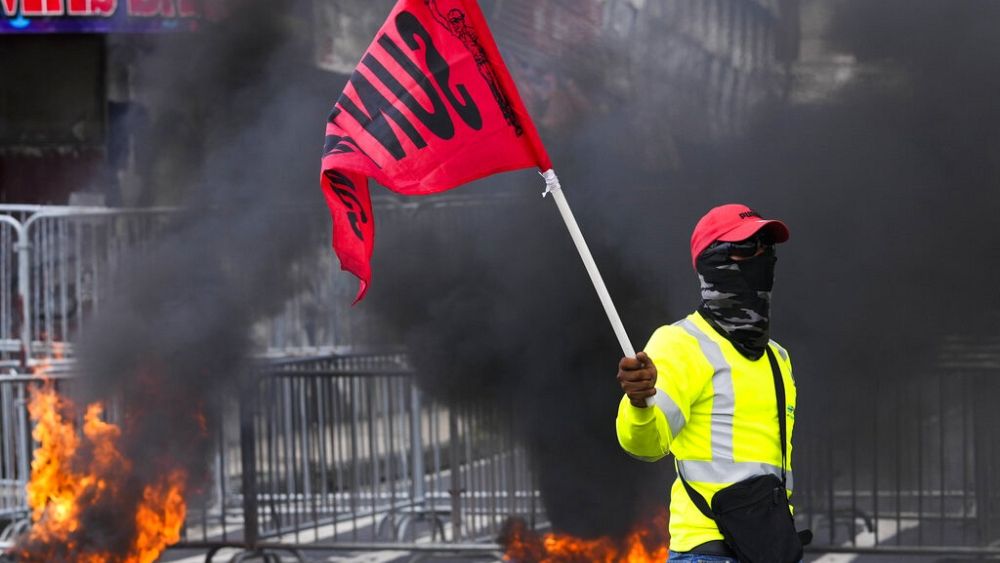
552	186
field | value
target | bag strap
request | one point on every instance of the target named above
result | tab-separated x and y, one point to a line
779	394
698	500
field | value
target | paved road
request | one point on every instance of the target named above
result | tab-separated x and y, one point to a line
188	556
405	557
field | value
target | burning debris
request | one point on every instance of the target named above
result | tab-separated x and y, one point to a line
80	476
647	542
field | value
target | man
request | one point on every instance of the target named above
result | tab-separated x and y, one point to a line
714	402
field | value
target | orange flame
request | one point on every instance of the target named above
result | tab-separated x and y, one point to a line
71	474
647	542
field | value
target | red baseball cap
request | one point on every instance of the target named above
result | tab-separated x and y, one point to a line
731	223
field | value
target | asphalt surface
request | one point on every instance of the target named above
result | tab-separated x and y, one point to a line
225	556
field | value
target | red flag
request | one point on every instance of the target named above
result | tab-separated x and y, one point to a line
430	107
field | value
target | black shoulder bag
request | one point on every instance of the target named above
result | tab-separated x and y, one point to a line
753	515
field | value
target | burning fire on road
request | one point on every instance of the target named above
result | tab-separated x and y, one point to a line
87	503
648	542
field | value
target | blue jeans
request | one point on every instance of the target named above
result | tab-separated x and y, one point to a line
696	558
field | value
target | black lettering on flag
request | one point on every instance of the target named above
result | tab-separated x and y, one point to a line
438	121
340	145
335	144
374	121
332	145
410	29
345	190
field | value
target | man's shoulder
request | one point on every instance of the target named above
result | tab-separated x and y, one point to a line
780	350
675	334
677	348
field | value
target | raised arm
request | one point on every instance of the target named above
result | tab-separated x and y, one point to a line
666	371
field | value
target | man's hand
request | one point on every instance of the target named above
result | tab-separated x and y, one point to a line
637	376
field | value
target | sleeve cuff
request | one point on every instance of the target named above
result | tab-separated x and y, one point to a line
640	415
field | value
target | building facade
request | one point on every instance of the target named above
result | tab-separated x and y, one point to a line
68	113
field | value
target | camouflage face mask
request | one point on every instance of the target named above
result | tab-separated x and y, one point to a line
736	296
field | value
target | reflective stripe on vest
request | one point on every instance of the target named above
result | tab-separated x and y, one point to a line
781	351
726	472
722	469
724	402
675	418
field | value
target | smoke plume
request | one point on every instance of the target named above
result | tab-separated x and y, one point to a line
890	192
234	139
888	187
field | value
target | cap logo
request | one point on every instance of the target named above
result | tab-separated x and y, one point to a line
749	214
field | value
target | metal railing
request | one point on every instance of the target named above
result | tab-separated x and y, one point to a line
16	443
56	265
10	303
904	466
350	449
15	451
331	453
59	265
73	257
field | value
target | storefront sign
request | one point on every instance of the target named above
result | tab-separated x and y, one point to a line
105	16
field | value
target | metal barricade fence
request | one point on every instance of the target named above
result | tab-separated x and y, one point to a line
17	447
330	453
905	465
59	264
348	453
56	265
21	213
10	303
367	443
15	465
214	507
75	256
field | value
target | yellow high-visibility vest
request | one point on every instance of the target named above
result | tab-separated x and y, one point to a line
716	411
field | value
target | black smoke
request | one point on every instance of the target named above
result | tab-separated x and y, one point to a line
499	312
888	185
234	137
890	189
